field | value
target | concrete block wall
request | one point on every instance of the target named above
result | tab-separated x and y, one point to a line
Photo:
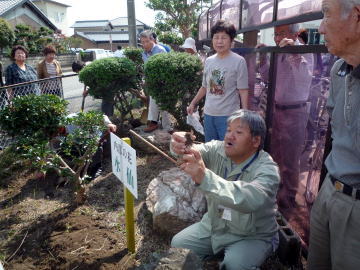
289	250
65	60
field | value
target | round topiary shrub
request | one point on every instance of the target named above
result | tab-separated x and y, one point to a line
112	78
173	79
134	54
109	76
36	117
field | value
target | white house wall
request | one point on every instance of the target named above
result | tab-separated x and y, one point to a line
17	15
53	12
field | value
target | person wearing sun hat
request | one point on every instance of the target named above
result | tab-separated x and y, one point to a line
189	46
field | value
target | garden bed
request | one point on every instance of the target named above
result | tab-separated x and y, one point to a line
40	228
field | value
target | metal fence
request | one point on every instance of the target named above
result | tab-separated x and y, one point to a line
53	86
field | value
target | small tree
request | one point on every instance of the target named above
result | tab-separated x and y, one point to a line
42	38
111	78
34	41
171	39
34	121
6	35
173	80
135	55
177	14
74	42
24	36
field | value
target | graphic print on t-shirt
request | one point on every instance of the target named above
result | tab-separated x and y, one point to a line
217	81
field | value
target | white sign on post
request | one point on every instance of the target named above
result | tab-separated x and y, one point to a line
123	158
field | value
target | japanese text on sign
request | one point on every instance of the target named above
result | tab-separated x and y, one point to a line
124	163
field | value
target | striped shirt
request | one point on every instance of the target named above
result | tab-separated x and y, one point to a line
51	69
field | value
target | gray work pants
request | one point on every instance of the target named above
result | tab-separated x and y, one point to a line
334	231
241	255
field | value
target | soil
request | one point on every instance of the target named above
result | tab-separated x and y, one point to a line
41	228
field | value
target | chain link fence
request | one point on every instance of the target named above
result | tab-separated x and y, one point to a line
53	86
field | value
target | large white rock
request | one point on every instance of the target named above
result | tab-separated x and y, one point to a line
174	201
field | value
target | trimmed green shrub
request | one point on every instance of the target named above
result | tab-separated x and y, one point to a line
111	78
35	122
134	54
170	38
37	117
6	35
173	79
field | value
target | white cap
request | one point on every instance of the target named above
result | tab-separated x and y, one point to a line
189	44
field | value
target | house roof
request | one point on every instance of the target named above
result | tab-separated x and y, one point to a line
123	21
51	1
8	5
97	23
102	37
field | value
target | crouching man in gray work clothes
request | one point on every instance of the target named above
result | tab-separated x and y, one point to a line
240	182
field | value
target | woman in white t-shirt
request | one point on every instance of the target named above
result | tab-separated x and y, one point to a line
48	68
225	83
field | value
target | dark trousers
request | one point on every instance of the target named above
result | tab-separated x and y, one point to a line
287	141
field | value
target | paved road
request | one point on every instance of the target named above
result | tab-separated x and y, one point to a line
73	94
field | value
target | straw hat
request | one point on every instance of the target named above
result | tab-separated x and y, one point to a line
189	44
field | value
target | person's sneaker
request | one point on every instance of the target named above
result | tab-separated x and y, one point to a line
151	127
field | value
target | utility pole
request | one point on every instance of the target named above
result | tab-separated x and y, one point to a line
131	23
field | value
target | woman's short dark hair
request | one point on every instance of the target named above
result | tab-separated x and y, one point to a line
49	49
77	66
18	47
224	26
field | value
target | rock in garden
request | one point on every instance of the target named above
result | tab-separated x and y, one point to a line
160	138
178	259
174	201
173	259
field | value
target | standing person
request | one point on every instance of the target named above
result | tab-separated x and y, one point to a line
119	52
239	181
20	72
225	82
151	48
293	81
189	46
47	68
166	47
335	215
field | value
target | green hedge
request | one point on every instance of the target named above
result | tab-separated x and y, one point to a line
109	76
31	116
173	79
